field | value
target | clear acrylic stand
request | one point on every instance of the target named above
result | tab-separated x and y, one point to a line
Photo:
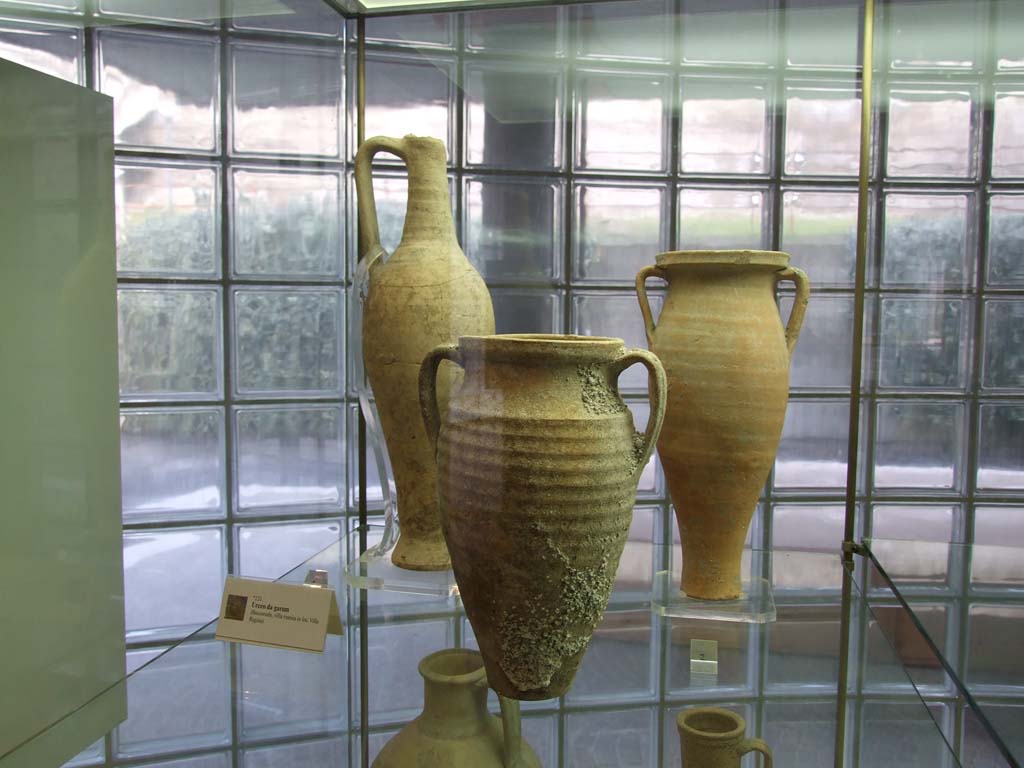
756	604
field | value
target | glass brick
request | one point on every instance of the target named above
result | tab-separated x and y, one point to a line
736	644
164	89
541	733
333	752
168	220
408	95
1006	240
619	229
1007	30
271	550
622	738
1003	365
304	17
892	636
935	34
821	359
619	664
808	527
50	49
430	30
822	131
527	311
651	482
634	577
998	537
995	636
172	463
1008	134
912	540
172	581
209	760
670	732
286	100
514	116
1001	450
611	106
618	316
812	451
639	29
64	5
724	126
819	232
287	224
909	522
822	35
169	343
374	449
517	31
930	133
720	218
902	733
288	341
924	343
713	33
926	241
803	656
201	11
919	445
290	459
513	228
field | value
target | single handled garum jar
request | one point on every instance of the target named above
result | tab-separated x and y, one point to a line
716	738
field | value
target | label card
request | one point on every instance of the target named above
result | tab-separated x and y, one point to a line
295	616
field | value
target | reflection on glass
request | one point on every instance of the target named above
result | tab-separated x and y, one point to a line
995	556
815	527
521	31
919	445
164	89
53	50
619	229
819	232
1008	135
929	133
1006	240
290	459
822	356
408	96
180	10
821	35
307	17
716	33
591	737
995	637
923	343
822	131
527	311
910	522
434	30
912	542
172	463
1004	344
287	100
169	342
622	121
287	223
803	650
723	126
926	241
637	29
271	550
615	315
168	219
812	452
287	341
721	218
1001	449
935	34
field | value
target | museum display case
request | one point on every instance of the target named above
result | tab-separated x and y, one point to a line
880	603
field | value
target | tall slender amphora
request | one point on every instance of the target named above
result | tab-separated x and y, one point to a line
726	356
426	293
538	462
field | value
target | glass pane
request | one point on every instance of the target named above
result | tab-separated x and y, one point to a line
1006	240
721	218
53	50
995	636
942	34
299	755
822	34
735	645
728	35
619	664
290	459
1001	450
181	10
638	29
926	241
526	311
434	30
1007	28
821	359
269	551
514	116
286	100
923	343
287	224
611	106
64	5
919	445
1004	340
307	17
168	220
521	31
288	341
1008	137
619	229
929	133
169	343
819	231
724	128
615	315
812	452
803	651
630	736
164	89
822	131
172	463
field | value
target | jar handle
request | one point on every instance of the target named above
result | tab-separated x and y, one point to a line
658	389
369	231
641	294
803	294
428	387
756	745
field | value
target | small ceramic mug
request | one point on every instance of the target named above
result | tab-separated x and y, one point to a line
714	738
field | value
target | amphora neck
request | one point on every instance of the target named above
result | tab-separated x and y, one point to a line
454	694
428	212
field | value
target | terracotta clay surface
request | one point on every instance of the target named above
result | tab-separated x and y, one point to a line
726	356
538	462
714	738
455	730
426	293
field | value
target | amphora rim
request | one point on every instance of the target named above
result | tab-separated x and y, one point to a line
541	347
733	725
444	667
741	257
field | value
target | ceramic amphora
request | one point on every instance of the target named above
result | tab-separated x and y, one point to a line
455	730
726	356
426	293
538	463
715	738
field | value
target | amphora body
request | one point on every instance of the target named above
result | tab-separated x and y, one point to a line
715	738
426	293
538	462
455	730
726	357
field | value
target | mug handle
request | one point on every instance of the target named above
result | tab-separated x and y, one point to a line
641	294
658	389
756	744
803	294
369	231
428	387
